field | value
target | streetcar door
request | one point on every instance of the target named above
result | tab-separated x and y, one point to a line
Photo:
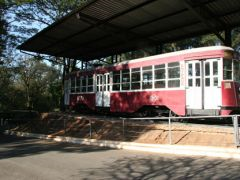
212	90
103	90
106	90
194	91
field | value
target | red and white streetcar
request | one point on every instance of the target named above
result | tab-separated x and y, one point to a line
200	81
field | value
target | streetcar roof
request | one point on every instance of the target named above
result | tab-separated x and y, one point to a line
183	53
187	54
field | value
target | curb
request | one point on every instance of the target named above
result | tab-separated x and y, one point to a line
156	148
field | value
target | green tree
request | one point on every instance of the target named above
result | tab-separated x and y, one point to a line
5	84
3	29
27	17
38	82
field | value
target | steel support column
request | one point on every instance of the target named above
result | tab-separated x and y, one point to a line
228	37
159	49
81	64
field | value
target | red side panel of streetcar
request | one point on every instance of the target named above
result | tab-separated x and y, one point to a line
230	96
87	99
132	101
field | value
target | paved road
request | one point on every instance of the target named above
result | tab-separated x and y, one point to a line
30	159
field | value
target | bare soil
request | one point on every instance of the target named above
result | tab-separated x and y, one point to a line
61	124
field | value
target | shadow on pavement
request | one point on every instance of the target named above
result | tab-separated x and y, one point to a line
12	146
167	167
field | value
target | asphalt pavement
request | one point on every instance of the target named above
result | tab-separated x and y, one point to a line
30	159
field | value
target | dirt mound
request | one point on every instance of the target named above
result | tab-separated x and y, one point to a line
61	124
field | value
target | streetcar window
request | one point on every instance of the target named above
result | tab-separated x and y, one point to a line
104	83
173	74
198	82
99	85
215	81
116	81
116	87
78	84
73	84
190	70
207	82
173	83
108	82
98	80
190	82
173	64
160	75
160	84
173	70
135	69
101	80
90	84
126	86
190	74
215	73
147	77
147	68
90	80
84	81
227	69
90	89
83	87
215	68
197	69
207	69
135	85
116	77
125	79
135	78
236	65
160	66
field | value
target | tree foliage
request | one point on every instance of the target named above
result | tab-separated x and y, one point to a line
31	84
27	17
3	29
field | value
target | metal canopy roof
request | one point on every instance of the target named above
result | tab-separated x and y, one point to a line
105	27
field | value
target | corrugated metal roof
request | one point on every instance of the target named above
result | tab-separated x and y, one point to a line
105	27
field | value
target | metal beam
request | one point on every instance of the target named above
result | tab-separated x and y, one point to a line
39	56
205	19
102	60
